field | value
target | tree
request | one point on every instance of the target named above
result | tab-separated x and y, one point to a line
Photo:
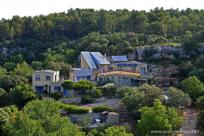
159	118
83	85
151	93
199	62
137	21
141	96
3	72
185	68
56	95
68	84
110	131
22	93
193	86
85	122
178	98
7	82
109	89
7	113
23	69
190	46
41	118
122	91
134	101
116	131
200	102
94	93
200	119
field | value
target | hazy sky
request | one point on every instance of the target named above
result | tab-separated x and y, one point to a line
8	8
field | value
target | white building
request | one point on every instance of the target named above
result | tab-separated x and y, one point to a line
47	81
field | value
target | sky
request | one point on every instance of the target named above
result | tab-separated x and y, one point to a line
8	8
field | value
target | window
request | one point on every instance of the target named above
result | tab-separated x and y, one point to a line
88	77
48	78
57	88
78	78
125	81
142	70
37	77
120	67
133	68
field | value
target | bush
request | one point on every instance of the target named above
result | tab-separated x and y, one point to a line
200	122
200	102
83	85
193	86
73	109
56	95
86	99
68	84
95	93
2	92
109	90
101	109
123	90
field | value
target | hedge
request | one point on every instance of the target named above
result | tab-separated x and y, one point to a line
101	109
73	109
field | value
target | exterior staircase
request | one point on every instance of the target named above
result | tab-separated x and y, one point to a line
122	112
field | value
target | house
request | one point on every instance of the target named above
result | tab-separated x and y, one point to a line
90	64
97	67
77	74
93	60
124	72
48	81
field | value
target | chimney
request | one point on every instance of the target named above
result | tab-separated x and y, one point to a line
105	55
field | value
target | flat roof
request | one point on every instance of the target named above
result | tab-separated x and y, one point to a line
119	58
48	70
122	73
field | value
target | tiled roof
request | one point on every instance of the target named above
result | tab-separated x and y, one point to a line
119	58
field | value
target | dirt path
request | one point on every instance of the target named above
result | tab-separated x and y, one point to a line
190	120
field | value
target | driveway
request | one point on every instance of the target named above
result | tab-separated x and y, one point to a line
114	103
190	120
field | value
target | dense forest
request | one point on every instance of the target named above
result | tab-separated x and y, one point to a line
59	37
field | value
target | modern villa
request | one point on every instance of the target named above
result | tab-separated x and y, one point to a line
94	67
97	67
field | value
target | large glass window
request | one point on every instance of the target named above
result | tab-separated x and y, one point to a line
133	68
125	81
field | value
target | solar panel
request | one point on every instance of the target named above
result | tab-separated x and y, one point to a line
88	58
119	58
99	58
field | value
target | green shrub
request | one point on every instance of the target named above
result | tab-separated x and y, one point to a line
68	84
86	99
73	109
101	109
109	90
83	85
95	93
200	102
120	92
56	95
200	122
